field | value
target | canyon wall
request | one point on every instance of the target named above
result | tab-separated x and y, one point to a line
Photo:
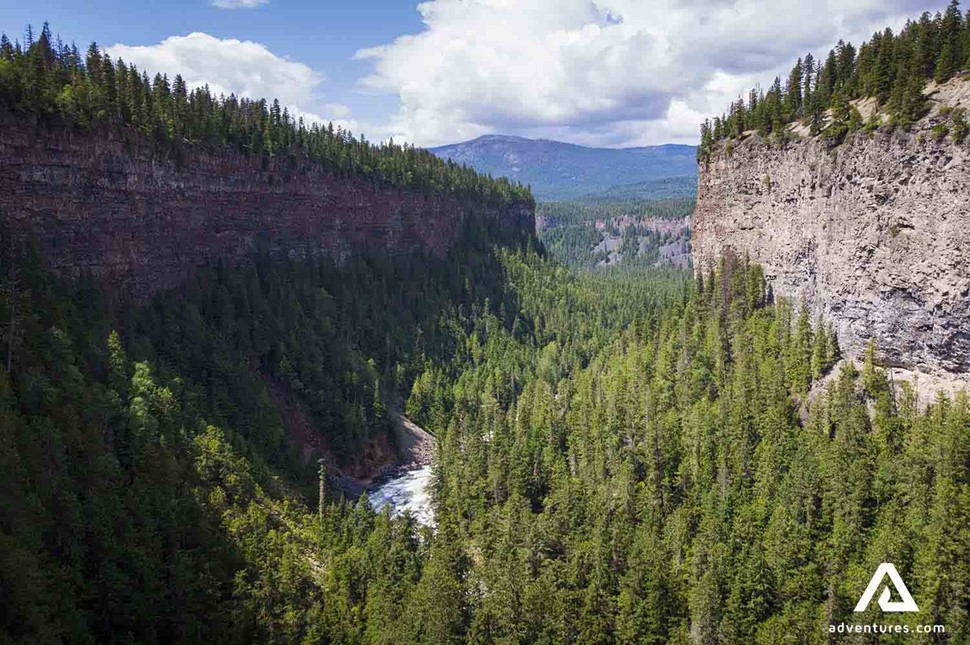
874	233
105	203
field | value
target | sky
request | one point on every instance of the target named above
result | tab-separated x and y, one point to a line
612	73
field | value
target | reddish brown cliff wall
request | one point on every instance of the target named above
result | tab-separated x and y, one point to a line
103	202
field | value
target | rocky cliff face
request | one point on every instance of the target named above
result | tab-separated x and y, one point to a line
104	203
873	233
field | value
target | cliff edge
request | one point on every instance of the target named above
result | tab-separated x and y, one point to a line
107	203
874	233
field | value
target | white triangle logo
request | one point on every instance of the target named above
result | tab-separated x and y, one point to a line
906	602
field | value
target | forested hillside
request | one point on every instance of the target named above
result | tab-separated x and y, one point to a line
673	485
891	68
624	460
154	489
629	235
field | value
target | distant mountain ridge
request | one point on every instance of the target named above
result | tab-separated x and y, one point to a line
561	171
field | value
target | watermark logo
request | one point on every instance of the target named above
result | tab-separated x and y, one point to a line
905	603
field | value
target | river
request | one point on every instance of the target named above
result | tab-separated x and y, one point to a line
407	492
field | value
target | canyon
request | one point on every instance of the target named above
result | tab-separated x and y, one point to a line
109	204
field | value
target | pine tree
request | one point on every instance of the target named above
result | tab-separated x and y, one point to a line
951	32
793	92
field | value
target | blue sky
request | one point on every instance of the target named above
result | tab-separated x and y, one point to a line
321	34
597	72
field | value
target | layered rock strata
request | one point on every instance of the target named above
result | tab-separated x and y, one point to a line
873	233
108	204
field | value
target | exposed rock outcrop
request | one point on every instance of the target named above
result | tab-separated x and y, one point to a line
873	233
105	203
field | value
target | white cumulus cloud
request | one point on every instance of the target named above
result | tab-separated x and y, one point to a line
609	72
227	66
249	69
238	4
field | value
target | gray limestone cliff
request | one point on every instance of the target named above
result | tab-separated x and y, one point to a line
873	233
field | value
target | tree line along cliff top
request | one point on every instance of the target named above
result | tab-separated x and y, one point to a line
53	81
891	68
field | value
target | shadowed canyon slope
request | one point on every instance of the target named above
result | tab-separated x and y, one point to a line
873	233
